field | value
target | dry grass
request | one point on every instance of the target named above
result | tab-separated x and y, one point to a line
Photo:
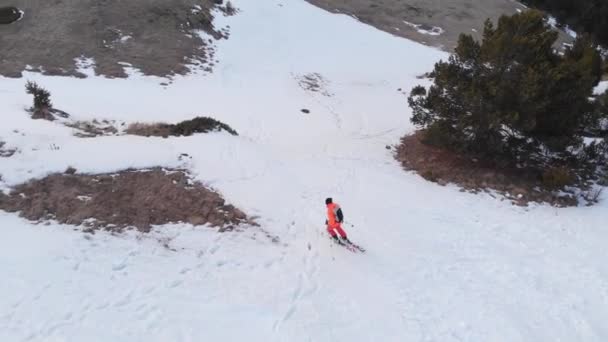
149	129
130	198
442	166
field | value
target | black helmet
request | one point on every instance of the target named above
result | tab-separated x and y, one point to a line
328	200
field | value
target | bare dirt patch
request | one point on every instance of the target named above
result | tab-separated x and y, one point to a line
157	129
158	37
127	199
442	166
432	22
49	114
184	128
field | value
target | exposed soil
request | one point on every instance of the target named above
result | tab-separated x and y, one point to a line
127	199
49	114
184	128
432	22
157	37
443	167
158	129
95	128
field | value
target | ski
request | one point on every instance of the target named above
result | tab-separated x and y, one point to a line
348	245
343	244
357	247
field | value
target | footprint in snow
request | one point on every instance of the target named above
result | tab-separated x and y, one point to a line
175	283
119	266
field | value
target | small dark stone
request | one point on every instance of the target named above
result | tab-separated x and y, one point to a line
305	111
70	171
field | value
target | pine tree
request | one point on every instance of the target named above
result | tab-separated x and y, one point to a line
42	97
585	16
511	97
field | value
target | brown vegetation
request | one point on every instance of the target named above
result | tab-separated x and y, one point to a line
127	199
184	128
442	166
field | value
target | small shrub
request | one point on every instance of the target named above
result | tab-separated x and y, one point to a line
430	176
42	97
418	91
557	177
200	125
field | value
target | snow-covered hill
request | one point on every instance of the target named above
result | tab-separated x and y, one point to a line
441	265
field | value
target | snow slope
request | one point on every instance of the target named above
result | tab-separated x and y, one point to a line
441	265
601	88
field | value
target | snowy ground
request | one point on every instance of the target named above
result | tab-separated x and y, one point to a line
441	265
601	88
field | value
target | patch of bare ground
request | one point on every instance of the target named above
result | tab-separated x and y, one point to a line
430	22
157	37
82	129
184	128
96	128
127	199
442	166
91	129
155	129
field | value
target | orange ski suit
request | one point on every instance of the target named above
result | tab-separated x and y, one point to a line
333	224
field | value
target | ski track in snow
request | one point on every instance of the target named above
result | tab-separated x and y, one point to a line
440	265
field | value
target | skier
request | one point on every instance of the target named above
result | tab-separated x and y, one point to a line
334	220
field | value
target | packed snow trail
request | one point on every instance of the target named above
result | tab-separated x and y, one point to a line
440	265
